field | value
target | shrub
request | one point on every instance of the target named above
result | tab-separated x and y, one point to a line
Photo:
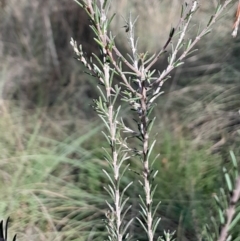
131	79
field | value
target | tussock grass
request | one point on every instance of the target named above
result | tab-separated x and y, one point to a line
53	188
38	186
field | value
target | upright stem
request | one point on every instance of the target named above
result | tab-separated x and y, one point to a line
112	126
117	204
146	171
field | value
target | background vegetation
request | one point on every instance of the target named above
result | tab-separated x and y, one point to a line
51	183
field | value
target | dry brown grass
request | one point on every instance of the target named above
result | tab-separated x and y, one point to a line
37	65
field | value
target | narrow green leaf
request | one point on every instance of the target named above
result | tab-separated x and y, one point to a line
143	211
151	148
156	208
190	52
234	222
102	94
127	225
221	216
124	190
94	30
115	116
155	174
98	60
76	1
122	204
177	64
110	179
218	8
150	124
109	192
228	180
235	165
216	226
143	216
182	9
109	205
142	225
150	59
131	58
224	198
154	190
124	158
143	203
207	32
110	20
99	43
150	109
125	212
123	172
210	21
96	13
105	122
140	183
109	157
156	157
155	225
105	3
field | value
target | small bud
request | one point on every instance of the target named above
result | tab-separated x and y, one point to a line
194	6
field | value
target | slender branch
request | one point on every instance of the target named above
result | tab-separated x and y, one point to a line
112	128
120	72
196	40
230	211
146	164
163	50
171	35
125	61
